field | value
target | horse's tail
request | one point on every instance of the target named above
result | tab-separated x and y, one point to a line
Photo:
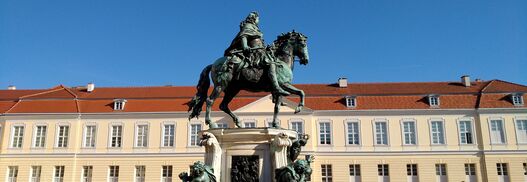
202	88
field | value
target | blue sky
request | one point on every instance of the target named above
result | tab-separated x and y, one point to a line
168	42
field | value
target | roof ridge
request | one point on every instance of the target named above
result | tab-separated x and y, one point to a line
69	91
510	82
13	106
54	89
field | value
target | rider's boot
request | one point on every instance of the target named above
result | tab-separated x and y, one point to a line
274	81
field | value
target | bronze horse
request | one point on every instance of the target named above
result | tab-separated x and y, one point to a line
283	51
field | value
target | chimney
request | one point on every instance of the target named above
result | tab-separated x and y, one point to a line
90	87
11	87
465	80
343	82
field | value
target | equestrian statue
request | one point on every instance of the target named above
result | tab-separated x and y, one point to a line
247	64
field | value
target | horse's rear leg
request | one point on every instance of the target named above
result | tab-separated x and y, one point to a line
224	105
277	103
210	101
296	91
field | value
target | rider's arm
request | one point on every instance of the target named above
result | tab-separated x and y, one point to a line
245	46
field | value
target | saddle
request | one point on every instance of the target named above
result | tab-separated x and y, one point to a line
242	66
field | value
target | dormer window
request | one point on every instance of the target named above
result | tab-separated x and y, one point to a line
433	100
517	99
118	104
351	101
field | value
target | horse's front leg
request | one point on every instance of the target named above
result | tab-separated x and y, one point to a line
277	103
224	105
296	91
210	101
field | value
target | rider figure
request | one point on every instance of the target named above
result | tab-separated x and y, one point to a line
250	41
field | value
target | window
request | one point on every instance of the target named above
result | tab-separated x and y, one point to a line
438	132
222	125
502	169
470	169
441	169
40	136
87	173
353	133
521	131
249	124
59	174
441	173
409	133
89	136
167	174
13	174
116	136
465	132
496	132
62	136
517	99
383	170
142	136
17	137
118	104
351	101
325	133
298	126
168	135
327	175
36	172
411	169
381	133
433	100
194	136
355	172
140	172
113	174
269	122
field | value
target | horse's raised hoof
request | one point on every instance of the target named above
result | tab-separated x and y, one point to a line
298	109
237	125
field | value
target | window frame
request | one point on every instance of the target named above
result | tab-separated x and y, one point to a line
472	129
516	121
162	134
136	172
297	120
12	136
34	138
116	170
503	130
415	132
169	168
412	170
246	121
110	134
328	170
330	133
93	137
374	128
356	170
443	131
61	169
12	170
191	134
351	101
38	176
87	175
502	169
65	142
441	171
519	97
347	132
432	103
145	137
384	169
118	104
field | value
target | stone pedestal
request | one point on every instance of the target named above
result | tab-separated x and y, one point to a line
248	152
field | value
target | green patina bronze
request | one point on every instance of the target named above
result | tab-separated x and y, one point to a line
199	172
250	65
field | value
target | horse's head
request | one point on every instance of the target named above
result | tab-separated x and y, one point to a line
295	44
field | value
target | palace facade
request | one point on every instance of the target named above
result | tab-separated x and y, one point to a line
419	131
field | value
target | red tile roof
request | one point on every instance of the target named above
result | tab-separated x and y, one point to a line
370	96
